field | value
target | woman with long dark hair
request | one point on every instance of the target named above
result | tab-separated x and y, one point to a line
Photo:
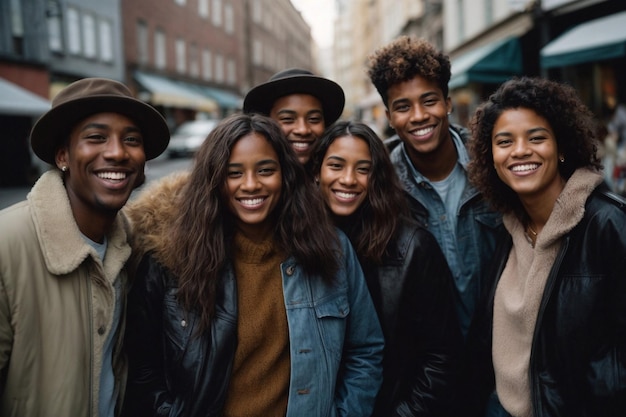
405	270
248	302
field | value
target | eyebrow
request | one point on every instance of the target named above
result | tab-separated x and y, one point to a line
361	161
103	126
293	112
422	96
529	131
261	162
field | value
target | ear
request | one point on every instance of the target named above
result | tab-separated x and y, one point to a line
61	158
388	115
448	105
316	179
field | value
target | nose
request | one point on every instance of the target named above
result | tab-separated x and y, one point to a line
115	149
301	127
249	182
520	148
418	114
348	178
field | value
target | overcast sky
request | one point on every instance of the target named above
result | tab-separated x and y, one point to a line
319	14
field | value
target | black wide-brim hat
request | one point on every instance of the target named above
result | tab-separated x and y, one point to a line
261	98
89	96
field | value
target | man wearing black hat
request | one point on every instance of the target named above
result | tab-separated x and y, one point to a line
302	103
63	250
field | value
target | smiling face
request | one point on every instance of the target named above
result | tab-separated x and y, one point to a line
105	160
418	111
344	174
525	154
301	117
253	184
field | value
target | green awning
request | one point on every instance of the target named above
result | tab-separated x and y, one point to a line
493	63
595	40
225	99
173	93
17	101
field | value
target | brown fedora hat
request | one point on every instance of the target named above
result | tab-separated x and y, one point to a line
88	96
296	81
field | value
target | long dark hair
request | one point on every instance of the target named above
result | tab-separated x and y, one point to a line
573	124
200	238
373	225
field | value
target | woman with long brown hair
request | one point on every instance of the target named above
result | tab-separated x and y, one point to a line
405	270
250	302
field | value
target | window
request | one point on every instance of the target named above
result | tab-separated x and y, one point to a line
231	72
194	65
17	27
207	72
257	14
461	22
229	19
489	12
219	68
73	30
89	35
142	43
55	35
181	57
180	2
105	33
217	12
257	52
203	8
159	49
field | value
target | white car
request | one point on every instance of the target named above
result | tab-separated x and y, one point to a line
189	136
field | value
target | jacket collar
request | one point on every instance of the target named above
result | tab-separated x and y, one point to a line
61	242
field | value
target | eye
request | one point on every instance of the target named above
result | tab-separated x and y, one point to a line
96	137
363	170
402	108
234	174
134	140
267	171
286	120
315	120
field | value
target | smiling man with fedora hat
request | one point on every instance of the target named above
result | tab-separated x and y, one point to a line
302	103
63	253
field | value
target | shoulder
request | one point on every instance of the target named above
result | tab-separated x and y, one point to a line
462	131
16	225
411	238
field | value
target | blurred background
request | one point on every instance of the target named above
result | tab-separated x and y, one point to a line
196	59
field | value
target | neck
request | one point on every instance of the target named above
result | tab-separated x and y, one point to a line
94	227
438	164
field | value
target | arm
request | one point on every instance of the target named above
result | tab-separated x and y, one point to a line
147	393
360	373
6	334
429	339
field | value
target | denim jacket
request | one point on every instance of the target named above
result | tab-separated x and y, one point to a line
336	344
476	228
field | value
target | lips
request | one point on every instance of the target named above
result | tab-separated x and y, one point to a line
300	146
251	203
346	195
112	175
525	167
423	131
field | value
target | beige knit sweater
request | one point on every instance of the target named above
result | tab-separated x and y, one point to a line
520	290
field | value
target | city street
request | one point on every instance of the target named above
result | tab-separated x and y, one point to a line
155	169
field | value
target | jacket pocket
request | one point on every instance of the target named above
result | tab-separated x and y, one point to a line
177	327
332	317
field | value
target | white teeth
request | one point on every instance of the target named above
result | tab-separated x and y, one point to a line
300	145
345	195
525	167
422	132
251	201
112	175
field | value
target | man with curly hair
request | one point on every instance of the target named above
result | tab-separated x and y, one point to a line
430	158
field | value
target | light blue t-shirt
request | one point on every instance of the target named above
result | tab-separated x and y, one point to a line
107	377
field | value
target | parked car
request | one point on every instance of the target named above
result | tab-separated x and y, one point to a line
189	136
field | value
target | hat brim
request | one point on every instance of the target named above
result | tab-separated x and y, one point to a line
51	130
262	97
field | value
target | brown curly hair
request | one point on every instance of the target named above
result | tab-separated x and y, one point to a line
573	124
405	58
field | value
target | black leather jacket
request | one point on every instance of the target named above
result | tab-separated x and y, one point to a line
413	295
578	354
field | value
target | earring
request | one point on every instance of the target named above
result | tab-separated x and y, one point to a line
64	168
562	158
449	113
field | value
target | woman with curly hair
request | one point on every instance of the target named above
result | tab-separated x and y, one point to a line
405	270
248	302
553	334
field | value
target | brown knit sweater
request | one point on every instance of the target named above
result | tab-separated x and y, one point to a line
259	383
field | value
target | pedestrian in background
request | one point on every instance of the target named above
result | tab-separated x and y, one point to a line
250	304
405	271
63	280
552	338
302	103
